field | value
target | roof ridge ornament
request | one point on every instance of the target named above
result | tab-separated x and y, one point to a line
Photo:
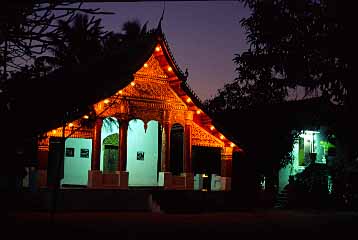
159	28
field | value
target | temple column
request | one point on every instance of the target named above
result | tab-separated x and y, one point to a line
187	164
95	175
165	176
121	173
122	155
166	145
226	168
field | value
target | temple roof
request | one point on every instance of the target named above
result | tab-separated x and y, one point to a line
71	92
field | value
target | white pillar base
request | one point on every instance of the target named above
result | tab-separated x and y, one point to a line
165	180
198	182
189	181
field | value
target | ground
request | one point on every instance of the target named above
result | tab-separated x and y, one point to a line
269	223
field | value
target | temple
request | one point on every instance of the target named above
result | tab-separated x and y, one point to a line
144	135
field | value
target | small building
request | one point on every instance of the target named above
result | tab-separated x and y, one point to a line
316	142
151	132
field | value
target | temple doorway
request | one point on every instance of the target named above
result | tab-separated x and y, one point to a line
206	161
110	153
109	148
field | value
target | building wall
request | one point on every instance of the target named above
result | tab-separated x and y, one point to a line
142	170
76	167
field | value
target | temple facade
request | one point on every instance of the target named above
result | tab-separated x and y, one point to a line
143	135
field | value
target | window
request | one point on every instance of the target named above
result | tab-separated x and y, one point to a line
70	152
84	153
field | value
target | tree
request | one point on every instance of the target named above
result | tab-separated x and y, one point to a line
132	30
25	28
302	44
77	42
293	45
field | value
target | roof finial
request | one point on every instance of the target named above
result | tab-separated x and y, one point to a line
161	19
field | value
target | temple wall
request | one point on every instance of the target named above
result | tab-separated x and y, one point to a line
142	169
76	167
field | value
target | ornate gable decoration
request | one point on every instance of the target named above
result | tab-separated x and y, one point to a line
146	88
152	69
200	137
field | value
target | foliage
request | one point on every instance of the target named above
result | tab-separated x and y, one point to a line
292	45
77	42
25	28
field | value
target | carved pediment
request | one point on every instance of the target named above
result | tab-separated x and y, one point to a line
201	137
152	69
146	88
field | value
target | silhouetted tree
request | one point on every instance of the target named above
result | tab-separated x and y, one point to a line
77	42
292	45
25	28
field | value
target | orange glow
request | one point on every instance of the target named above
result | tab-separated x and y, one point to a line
157	49
120	91
145	65
54	131
188	100
86	117
212	128
132	83
198	111
70	125
170	69
221	137
232	145
106	101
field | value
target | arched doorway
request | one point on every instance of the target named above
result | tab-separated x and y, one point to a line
176	149
142	153
110	153
109	148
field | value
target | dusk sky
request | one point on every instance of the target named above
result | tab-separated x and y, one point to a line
203	36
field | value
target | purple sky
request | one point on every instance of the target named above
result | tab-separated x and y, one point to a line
203	36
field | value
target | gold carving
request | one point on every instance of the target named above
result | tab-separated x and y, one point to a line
145	114
72	132
152	68
177	117
200	137
150	89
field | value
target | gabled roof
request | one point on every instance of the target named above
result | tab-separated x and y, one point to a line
159	48
84	85
178	82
